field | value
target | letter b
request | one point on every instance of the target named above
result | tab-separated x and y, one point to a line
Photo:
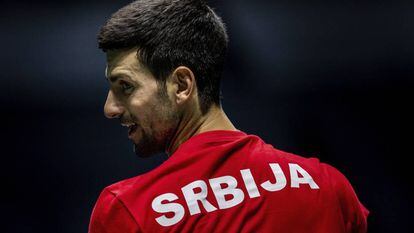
231	189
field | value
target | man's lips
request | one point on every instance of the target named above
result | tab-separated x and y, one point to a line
132	127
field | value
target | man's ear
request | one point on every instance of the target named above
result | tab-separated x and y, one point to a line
184	80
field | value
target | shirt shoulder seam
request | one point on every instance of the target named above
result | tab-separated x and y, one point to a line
125	207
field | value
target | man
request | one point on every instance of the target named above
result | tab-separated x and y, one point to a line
164	62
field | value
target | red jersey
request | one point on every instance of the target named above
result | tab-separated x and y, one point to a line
228	181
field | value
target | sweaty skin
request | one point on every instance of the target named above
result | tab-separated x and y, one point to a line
165	116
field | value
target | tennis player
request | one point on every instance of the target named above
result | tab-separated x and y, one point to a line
164	64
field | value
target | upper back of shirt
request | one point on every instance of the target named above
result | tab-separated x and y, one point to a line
227	181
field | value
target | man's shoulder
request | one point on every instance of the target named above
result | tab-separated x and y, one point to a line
269	153
121	187
312	164
110	210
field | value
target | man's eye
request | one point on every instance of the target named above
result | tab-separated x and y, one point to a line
126	87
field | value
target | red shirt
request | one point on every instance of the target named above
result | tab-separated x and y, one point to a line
228	181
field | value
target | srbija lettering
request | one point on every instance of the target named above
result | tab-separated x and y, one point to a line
222	186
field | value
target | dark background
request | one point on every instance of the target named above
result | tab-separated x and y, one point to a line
331	79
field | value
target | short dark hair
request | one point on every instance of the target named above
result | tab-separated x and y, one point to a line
170	33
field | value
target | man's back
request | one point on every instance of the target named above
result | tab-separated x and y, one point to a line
227	181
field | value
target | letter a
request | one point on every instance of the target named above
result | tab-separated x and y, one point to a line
305	179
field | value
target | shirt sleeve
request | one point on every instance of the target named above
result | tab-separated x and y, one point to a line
111	216
353	211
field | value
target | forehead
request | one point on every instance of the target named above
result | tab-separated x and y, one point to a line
124	62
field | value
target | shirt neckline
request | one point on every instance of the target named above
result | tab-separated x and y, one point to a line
208	136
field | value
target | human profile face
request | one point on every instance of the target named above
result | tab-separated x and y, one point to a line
140	102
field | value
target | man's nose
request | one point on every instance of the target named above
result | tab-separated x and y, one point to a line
113	108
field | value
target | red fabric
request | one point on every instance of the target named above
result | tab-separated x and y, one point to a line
330	206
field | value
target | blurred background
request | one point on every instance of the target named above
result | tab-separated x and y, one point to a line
328	79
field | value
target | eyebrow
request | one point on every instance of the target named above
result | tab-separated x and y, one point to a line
113	78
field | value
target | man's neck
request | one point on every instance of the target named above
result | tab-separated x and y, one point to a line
195	123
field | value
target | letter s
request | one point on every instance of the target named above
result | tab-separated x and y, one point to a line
159	207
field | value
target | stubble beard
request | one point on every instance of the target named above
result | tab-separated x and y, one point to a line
147	146
157	140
